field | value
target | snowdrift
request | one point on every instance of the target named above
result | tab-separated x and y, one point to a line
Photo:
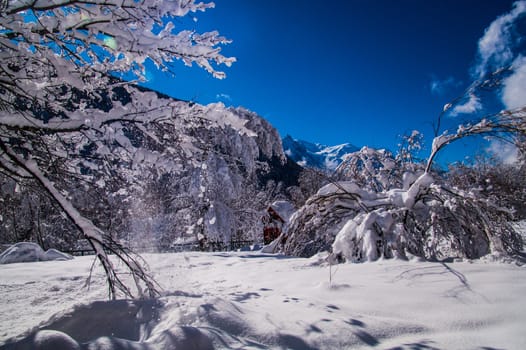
30	252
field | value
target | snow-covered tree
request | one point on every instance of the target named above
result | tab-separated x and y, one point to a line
385	206
62	113
376	170
410	147
502	183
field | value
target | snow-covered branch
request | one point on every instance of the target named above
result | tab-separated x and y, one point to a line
49	47
99	241
63	114
506	123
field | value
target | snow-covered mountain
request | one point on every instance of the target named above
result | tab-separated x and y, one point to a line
315	155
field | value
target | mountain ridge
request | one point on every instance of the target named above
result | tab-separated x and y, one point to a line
316	155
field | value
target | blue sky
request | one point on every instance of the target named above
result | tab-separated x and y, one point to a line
358	71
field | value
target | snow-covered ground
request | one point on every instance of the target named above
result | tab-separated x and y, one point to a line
250	300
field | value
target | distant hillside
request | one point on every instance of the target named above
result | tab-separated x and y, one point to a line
315	155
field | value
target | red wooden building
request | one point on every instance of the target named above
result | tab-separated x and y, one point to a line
272	225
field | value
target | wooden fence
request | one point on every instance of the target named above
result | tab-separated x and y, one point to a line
175	248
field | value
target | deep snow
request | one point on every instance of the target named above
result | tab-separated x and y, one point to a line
250	300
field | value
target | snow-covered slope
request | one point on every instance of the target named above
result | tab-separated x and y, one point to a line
182	172
249	300
215	186
316	155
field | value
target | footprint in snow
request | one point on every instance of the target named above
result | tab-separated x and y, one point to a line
288	300
331	308
355	322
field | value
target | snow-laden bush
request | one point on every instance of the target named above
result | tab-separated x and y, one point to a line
427	220
503	183
391	208
30	252
313	227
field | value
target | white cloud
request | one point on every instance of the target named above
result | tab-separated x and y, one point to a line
506	152
496	45
439	87
514	86
224	97
470	106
